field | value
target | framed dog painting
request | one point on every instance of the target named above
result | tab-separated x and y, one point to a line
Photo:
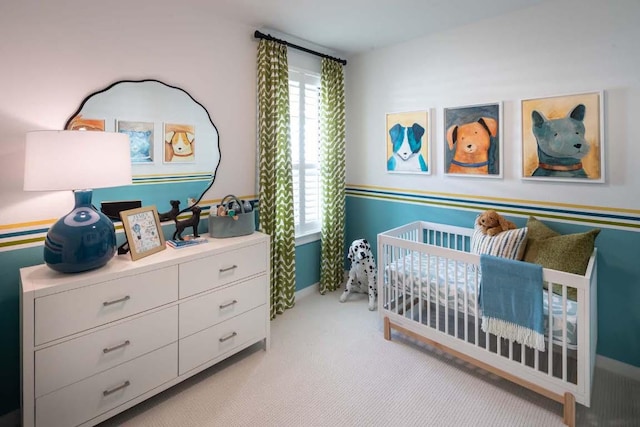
409	142
179	143
562	138
140	140
473	141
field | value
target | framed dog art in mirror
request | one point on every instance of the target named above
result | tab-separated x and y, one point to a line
473	140
562	138
409	142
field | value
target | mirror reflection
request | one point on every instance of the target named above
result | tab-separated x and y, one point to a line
174	143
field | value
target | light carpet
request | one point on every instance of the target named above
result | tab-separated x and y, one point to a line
329	365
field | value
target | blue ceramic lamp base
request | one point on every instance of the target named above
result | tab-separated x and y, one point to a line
82	240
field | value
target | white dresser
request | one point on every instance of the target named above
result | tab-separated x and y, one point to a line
99	342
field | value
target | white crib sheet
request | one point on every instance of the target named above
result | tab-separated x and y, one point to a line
418	269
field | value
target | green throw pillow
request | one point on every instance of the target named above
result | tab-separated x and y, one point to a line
568	252
537	232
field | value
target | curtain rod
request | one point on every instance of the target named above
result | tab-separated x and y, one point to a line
260	35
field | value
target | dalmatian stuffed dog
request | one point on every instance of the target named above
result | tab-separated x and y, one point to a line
362	276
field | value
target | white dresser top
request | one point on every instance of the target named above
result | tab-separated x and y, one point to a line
42	280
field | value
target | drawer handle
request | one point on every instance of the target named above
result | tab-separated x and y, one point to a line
115	301
113	390
233	267
228	337
115	347
223	306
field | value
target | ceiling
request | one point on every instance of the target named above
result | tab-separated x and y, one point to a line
349	27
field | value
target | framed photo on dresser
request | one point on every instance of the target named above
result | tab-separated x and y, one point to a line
143	231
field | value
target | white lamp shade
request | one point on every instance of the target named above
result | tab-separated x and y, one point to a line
72	160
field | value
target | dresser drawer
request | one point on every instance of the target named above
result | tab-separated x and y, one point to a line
66	313
222	338
207	273
220	305
79	358
95	395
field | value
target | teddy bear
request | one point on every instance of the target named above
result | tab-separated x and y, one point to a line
491	223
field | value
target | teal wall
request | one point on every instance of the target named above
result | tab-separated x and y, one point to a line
10	263
618	266
307	265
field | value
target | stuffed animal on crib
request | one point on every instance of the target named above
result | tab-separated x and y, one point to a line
491	223
362	275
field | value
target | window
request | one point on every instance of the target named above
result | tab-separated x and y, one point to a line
304	102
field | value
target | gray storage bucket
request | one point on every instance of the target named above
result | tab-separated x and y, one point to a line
226	226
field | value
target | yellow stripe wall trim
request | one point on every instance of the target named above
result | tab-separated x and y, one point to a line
28	234
609	217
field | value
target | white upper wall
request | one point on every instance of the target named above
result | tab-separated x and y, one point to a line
557	47
56	53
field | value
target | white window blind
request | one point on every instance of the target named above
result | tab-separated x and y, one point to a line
304	102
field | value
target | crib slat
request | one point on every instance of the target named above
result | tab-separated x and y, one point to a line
564	332
466	303
477	311
551	326
420	286
429	291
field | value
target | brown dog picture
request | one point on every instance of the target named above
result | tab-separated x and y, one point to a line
179	143
473	141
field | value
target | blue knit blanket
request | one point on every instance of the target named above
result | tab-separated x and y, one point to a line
511	300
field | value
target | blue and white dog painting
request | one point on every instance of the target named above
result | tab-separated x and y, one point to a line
407	149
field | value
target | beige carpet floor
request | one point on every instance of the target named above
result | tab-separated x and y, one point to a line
329	365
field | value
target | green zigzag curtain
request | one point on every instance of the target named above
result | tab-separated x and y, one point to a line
333	169
275	182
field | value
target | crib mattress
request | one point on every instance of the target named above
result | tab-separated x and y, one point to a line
450	279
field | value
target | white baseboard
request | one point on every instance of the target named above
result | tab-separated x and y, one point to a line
12	419
617	367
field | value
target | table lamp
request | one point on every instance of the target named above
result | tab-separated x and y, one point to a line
85	238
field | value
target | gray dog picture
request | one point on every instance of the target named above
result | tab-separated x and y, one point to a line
562	138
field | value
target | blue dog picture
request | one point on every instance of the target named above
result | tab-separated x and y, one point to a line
561	138
407	143
140	140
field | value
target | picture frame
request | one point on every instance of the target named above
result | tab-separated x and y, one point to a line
141	137
143	230
179	143
408	142
563	138
482	154
81	123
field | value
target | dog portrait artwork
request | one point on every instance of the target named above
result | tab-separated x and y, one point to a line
179	143
408	142
362	275
564	137
140	140
473	140
80	123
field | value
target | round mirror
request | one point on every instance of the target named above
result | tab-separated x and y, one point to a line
175	148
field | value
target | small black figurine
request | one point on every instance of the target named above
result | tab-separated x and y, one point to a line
173	213
189	222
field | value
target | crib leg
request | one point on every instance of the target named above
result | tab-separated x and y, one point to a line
387	329
569	409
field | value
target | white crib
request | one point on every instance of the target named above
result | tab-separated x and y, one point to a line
428	284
